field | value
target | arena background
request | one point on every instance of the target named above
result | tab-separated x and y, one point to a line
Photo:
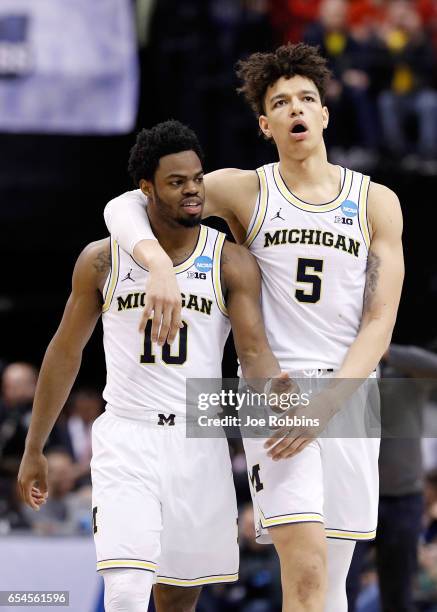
76	84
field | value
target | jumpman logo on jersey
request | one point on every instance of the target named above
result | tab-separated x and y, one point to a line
277	216
128	277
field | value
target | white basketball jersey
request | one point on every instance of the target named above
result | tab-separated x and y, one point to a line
313	260
143	377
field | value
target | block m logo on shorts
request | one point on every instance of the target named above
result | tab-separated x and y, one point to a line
166	420
255	479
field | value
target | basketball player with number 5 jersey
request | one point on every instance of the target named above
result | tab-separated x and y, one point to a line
328	242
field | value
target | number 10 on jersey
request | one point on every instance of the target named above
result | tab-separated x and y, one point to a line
179	358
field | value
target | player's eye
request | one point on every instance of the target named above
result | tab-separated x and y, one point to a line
199	179
278	103
309	98
177	183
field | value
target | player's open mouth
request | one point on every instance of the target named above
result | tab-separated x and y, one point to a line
192	206
299	130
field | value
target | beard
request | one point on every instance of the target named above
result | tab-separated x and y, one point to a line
189	221
167	213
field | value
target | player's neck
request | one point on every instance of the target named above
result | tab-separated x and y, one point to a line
312	170
177	241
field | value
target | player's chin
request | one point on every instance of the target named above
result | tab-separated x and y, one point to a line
190	220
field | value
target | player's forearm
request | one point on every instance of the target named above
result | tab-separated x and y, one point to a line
127	221
151	255
258	363
366	351
58	373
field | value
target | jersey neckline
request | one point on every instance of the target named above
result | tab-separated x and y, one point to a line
346	183
198	250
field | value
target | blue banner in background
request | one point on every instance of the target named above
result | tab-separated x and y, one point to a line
68	67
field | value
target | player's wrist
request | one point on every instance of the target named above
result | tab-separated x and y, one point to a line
33	448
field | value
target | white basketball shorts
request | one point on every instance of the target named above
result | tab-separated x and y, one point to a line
162	502
333	481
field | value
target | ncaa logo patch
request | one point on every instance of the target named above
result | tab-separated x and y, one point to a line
349	208
203	263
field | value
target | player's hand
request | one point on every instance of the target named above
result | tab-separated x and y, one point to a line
288	441
32	479
163	299
280	388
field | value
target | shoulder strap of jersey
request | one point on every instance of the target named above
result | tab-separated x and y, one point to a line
260	208
216	273
111	281
362	209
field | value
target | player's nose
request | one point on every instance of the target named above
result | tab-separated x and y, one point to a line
191	188
295	106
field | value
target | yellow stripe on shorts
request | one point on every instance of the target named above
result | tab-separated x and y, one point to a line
300	517
130	563
197	581
342	534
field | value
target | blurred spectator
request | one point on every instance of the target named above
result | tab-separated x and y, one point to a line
290	18
18	389
408	375
65	512
365	14
348	96
428	12
409	94
73	430
18	384
427	578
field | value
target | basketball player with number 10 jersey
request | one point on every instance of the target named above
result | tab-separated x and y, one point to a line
164	506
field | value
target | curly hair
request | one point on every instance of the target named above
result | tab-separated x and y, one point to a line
261	70
162	139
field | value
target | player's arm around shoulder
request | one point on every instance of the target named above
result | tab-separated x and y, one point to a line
61	364
241	280
231	194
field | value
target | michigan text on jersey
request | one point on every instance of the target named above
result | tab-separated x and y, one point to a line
192	302
312	237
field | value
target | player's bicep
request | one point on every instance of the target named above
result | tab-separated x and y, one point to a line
385	265
83	308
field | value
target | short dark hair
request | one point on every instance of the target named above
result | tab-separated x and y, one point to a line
261	70
152	144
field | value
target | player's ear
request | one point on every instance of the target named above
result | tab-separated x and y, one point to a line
146	187
325	117
263	123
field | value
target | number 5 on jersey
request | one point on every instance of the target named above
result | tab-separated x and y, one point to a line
166	355
309	272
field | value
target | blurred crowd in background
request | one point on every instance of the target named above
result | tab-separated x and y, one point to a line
382	99
68	149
